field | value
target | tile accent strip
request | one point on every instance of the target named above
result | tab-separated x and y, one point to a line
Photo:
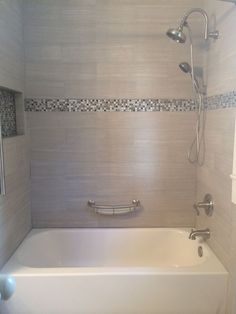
8	113
227	100
109	105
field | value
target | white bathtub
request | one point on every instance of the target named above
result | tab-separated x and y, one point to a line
106	271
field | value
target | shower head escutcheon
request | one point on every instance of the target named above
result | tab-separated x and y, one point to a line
178	35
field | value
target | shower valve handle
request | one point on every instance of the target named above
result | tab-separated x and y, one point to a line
207	205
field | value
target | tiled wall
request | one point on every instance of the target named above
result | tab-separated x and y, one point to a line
214	177
221	60
111	157
15	220
11	47
79	56
105	49
15	212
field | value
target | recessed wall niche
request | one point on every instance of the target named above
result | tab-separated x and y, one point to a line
11	112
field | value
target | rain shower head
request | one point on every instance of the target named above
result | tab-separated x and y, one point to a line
177	35
185	67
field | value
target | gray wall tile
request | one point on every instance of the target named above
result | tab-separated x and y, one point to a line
109	158
103	49
15	209
15	213
12	47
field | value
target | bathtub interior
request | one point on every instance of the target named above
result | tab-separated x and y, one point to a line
110	248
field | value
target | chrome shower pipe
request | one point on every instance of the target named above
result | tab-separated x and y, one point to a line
207	34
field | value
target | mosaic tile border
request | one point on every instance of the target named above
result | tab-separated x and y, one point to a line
8	113
109	105
222	101
227	100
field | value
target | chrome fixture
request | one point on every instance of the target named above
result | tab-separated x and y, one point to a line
178	35
196	152
207	205
200	251
2	166
114	209
204	233
186	68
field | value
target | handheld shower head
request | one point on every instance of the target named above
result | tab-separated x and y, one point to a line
185	67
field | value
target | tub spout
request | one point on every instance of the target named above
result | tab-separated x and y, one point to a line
204	233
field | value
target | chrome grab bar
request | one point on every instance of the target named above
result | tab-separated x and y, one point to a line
2	166
114	209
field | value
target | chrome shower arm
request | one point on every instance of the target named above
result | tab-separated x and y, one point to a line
203	13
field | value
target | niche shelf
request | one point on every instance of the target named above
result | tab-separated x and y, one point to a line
12	112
